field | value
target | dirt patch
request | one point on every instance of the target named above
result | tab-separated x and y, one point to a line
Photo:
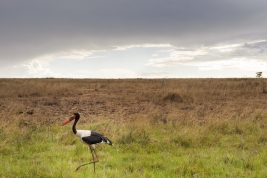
173	97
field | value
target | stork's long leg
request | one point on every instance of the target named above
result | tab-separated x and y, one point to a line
92	148
94	155
92	152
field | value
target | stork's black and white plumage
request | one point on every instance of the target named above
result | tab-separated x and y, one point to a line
89	137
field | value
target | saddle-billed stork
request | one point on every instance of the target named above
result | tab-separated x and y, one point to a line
89	137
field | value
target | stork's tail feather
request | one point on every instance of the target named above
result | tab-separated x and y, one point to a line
108	141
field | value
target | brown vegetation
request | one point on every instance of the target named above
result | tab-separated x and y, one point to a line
171	100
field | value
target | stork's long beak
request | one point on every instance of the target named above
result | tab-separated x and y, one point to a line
67	121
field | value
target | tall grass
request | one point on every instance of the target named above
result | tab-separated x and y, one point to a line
160	128
221	148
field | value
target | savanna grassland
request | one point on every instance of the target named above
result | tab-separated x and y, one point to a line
159	127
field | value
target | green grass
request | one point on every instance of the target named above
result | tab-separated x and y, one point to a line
215	149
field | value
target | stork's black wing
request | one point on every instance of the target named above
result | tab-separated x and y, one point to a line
94	138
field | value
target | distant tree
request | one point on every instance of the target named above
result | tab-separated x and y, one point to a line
259	74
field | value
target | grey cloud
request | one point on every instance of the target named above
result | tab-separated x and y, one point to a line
252	50
255	51
33	28
260	46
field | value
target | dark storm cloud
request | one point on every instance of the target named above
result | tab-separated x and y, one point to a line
32	28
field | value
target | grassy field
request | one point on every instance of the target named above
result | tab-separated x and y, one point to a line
160	127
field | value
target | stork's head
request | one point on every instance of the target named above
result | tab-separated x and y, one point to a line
75	116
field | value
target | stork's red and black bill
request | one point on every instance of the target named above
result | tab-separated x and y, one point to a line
68	120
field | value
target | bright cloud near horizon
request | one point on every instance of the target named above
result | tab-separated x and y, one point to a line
133	39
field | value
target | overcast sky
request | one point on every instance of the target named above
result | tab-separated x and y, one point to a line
133	39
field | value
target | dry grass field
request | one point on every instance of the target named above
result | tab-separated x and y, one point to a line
160	127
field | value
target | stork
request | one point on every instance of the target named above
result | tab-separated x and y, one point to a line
88	137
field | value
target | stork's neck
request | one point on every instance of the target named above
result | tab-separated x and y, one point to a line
74	126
